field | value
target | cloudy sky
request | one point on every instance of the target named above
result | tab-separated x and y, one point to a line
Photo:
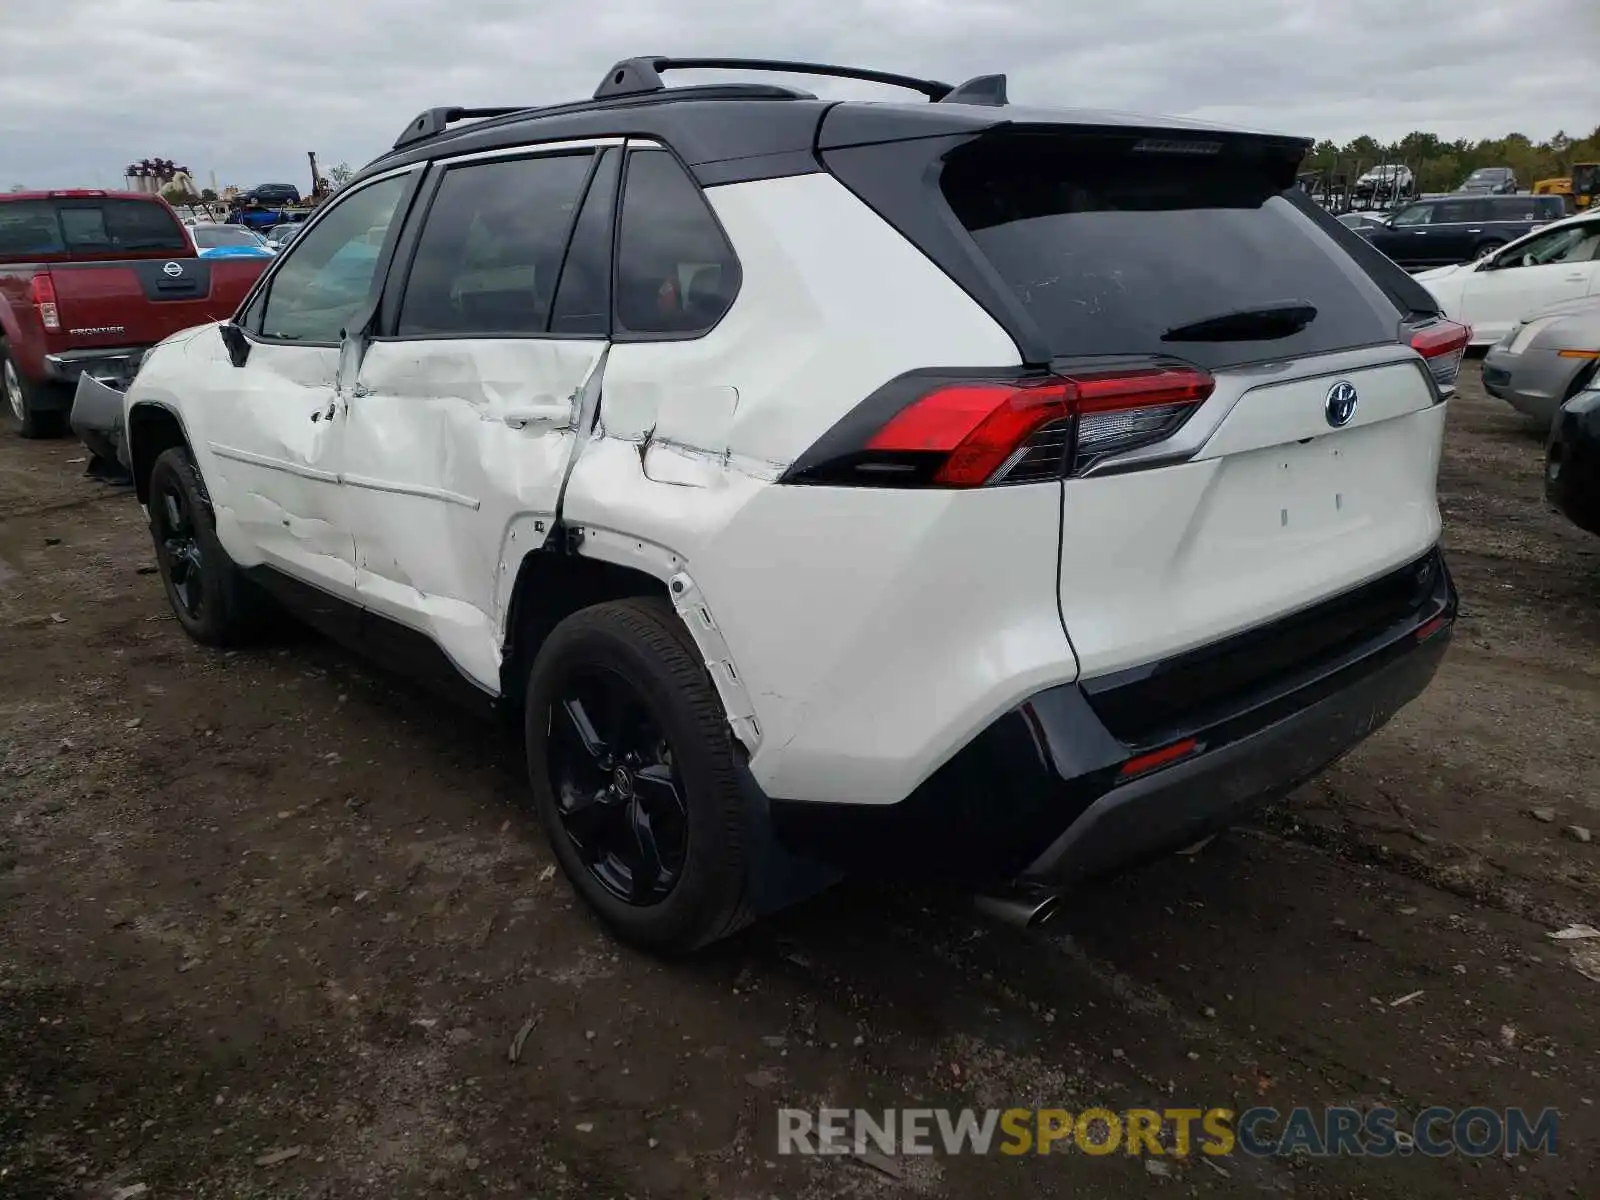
244	89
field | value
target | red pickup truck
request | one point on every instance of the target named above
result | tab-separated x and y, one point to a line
89	280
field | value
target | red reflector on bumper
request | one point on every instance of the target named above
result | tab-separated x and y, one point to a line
1428	628
1158	758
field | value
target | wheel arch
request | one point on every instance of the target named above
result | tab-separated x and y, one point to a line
153	428
577	568
551	584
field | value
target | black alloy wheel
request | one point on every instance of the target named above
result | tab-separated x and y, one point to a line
635	776
178	549
211	599
618	796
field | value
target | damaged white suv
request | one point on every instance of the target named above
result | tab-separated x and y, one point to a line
951	491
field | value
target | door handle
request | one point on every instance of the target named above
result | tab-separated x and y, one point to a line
537	414
1576	277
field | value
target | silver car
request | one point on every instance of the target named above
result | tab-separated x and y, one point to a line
1545	359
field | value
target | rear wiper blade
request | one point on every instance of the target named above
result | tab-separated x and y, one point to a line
1262	323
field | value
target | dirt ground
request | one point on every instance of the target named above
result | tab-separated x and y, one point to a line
270	921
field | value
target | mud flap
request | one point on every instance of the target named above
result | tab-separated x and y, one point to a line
778	878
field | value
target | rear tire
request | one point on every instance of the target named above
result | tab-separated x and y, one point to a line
34	406
1488	247
213	601
628	748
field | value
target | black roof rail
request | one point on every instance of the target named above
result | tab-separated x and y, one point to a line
435	120
980	89
640	76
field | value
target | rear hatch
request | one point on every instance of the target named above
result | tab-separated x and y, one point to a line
1279	443
120	271
1282	497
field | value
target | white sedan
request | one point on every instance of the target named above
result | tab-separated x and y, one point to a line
1557	263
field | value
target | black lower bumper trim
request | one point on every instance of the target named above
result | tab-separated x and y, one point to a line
1036	797
1181	803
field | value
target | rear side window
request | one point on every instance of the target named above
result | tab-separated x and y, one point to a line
583	294
1525	208
87	226
1457	212
490	250
1416	214
121	225
676	273
1113	251
29	227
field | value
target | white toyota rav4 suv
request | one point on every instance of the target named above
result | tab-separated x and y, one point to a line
951	491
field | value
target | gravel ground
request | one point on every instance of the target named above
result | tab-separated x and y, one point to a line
270	921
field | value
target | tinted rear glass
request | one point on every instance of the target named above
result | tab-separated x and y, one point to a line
1525	208
1107	248
83	226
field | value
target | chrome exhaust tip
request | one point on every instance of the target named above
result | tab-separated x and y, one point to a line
1022	909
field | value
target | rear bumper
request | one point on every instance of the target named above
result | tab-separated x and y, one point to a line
1039	797
1532	382
111	362
1179	804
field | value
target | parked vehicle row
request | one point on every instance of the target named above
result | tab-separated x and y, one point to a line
1550	266
89	281
1444	230
1546	359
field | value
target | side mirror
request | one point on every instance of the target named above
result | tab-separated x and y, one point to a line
238	345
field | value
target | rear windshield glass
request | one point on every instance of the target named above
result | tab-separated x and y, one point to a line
1108	249
80	226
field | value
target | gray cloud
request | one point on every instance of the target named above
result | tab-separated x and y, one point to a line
243	89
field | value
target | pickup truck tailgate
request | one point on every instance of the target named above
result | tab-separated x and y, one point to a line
136	301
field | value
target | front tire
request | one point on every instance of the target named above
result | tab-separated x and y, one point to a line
31	404
634	776
215	604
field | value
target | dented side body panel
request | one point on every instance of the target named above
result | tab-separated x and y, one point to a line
870	632
272	470
454	455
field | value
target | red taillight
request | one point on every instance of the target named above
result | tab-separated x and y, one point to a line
975	426
77	193
1442	345
967	434
42	292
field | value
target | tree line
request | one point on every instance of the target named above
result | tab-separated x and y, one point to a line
1440	166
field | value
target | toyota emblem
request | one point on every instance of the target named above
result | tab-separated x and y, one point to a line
1340	405
172	270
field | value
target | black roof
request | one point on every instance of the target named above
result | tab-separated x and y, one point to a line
726	132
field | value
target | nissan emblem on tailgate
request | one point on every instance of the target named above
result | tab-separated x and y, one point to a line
172	269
